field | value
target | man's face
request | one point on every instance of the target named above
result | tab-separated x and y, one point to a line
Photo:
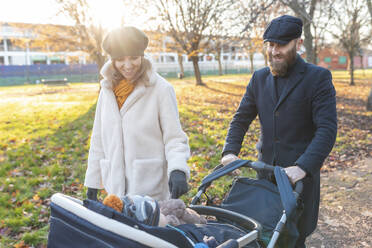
281	56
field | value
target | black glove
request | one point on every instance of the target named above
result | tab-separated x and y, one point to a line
92	194
177	184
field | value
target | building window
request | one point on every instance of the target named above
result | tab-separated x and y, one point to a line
36	60
342	60
327	59
156	58
170	59
1	60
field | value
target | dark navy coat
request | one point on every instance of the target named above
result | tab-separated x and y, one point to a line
300	128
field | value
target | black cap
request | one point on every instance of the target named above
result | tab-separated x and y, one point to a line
283	29
125	41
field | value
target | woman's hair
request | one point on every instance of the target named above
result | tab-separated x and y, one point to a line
140	76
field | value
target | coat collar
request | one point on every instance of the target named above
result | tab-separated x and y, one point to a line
293	80
108	71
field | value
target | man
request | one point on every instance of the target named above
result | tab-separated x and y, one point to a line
296	105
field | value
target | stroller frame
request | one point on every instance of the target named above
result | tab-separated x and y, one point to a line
133	233
220	171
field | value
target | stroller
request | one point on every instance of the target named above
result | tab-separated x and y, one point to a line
253	214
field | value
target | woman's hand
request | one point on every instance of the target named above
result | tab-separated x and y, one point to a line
92	194
177	184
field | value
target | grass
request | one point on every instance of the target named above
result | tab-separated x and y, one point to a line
44	141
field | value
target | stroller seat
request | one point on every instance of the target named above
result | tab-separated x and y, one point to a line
74	223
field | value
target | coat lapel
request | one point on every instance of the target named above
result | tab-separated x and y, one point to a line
293	80
137	93
271	88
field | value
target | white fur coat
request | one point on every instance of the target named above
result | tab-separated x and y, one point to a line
134	149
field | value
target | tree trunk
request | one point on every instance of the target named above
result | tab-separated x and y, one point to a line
315	53
351	68
263	51
369	4
369	101
180	63
308	43
251	60
220	71
100	61
197	70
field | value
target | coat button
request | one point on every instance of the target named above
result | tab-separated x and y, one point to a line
276	113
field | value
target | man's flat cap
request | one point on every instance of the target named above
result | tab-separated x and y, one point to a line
283	29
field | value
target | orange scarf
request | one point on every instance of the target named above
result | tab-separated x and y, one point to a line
122	91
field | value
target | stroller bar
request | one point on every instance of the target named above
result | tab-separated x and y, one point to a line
277	230
246	239
259	166
218	172
241	242
242	220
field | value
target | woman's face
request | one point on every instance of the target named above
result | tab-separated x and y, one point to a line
128	66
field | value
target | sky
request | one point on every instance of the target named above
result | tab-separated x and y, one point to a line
108	12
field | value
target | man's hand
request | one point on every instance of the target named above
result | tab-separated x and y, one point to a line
294	173
229	158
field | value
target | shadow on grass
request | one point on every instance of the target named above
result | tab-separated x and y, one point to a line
354	121
32	172
224	92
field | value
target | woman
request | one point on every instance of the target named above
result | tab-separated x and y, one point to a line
137	144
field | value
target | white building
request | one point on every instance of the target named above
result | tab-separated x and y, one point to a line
13	54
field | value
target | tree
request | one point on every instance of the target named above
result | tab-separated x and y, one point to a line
369	100
322	14
162	42
84	34
42	37
353	32
369	4
253	14
190	24
238	26
305	10
256	29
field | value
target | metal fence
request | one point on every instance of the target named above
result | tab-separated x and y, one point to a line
33	74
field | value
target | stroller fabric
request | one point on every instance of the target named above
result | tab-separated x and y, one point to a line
167	234
219	232
69	230
195	232
260	199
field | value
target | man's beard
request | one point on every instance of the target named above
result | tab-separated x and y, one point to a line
280	69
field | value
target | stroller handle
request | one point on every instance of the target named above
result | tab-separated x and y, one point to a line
259	166
221	170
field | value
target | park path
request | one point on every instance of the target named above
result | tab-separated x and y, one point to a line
345	218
